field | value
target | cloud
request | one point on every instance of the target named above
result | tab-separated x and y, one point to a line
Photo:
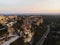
29	5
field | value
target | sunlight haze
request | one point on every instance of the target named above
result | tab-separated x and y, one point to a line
29	6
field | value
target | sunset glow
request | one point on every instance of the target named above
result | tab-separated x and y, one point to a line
29	6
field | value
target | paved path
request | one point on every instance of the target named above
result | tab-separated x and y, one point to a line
41	41
11	40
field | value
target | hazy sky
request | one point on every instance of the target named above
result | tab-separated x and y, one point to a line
29	6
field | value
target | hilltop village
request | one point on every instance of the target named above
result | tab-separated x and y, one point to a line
27	27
